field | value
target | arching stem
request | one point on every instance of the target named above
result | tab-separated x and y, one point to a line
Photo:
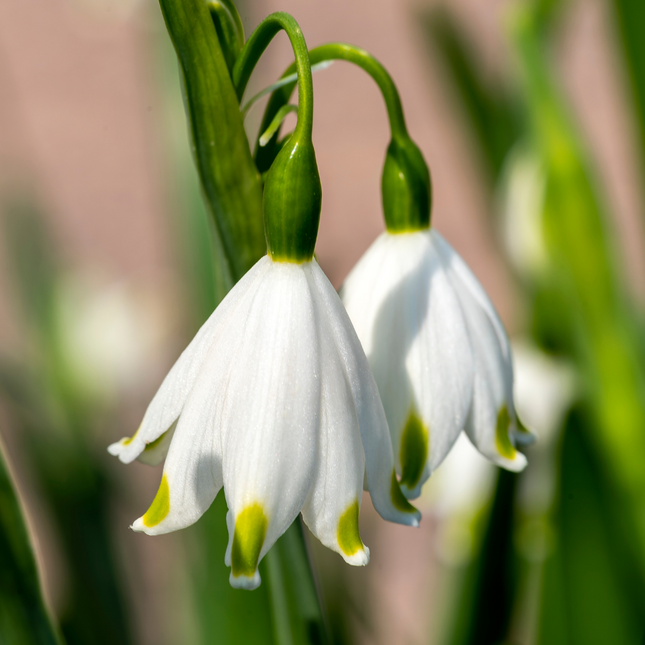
255	47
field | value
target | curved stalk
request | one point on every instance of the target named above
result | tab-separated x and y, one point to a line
330	52
253	50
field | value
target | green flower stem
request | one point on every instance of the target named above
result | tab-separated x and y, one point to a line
230	181
331	52
594	322
405	185
253	50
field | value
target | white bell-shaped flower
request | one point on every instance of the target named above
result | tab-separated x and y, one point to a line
274	400
439	353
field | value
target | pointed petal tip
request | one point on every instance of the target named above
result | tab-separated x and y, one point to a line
359	559
515	464
518	464
117	449
245	582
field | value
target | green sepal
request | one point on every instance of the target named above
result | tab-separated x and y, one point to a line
292	202
405	187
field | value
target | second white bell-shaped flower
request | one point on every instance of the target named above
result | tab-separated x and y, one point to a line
437	348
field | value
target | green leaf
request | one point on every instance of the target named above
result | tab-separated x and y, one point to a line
229	29
598	326
630	16
488	590
24	619
54	428
591	592
229	178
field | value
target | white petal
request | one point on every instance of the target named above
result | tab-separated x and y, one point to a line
411	325
193	469
492	415
168	402
271	414
381	478
332	510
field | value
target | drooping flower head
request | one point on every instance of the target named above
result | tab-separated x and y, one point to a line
273	400
437	348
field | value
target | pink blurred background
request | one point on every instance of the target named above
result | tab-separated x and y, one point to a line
84	126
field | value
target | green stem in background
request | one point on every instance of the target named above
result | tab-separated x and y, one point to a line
253	50
229	179
489	587
630	15
24	619
596	325
406	188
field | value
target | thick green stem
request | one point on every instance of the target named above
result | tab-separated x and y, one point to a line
253	50
230	181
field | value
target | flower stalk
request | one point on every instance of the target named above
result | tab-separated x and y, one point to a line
405	185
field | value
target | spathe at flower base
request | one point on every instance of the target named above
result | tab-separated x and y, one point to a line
273	400
438	351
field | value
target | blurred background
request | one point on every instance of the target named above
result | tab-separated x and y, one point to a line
530	115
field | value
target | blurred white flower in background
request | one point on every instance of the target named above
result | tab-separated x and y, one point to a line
110	335
521	201
545	389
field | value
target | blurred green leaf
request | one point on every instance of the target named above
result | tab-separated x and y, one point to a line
54	427
487	105
32	264
591	592
602	329
489	586
228	175
24	619
630	16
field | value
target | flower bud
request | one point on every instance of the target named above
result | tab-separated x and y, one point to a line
292	202
406	188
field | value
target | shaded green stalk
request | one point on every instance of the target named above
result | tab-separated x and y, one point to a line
255	47
228	176
630	15
597	326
